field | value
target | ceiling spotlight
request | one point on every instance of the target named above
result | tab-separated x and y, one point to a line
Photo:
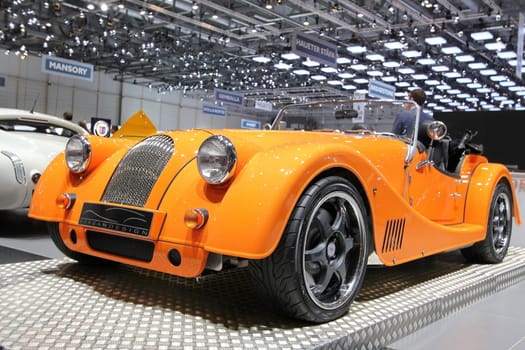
482	35
426	3
194	6
435	40
356	49
261	59
268	5
305	22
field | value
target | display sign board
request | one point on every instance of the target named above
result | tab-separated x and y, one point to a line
265	106
68	68
101	127
229	97
250	124
379	89
316	49
214	110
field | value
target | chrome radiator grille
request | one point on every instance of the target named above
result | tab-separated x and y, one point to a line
138	171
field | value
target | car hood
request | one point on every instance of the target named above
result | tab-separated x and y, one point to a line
378	148
36	150
34	141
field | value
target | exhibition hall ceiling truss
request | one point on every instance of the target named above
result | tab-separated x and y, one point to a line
466	54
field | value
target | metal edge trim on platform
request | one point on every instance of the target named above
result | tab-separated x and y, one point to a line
476	283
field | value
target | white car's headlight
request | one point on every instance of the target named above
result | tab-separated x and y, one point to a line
216	159
78	153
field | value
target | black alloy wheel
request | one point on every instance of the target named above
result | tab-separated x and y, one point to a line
494	247
318	268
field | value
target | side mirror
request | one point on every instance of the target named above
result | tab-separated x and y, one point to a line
436	130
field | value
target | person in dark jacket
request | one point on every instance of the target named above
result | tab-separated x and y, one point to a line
404	122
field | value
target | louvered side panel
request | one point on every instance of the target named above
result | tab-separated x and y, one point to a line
394	232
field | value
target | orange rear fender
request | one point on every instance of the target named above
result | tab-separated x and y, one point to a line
484	179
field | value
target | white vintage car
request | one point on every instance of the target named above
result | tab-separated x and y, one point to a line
28	142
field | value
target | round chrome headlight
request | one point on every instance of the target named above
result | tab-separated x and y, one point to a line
78	153
216	159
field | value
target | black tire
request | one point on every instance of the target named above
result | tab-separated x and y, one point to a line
494	247
319	265
54	232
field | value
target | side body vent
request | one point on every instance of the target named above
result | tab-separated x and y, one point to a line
138	171
394	232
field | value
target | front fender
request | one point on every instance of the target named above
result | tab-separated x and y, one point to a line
273	181
57	178
484	179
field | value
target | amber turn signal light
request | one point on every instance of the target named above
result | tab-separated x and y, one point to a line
195	218
65	200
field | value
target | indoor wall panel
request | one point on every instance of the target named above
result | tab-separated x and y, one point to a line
109	106
205	120
169	117
84	104
31	69
130	106
152	109
8	95
59	99
31	95
187	118
9	64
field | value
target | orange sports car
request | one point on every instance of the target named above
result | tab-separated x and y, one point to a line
306	203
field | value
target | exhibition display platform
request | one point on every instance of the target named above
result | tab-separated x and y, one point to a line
60	304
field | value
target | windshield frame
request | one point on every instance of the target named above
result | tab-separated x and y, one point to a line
411	151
